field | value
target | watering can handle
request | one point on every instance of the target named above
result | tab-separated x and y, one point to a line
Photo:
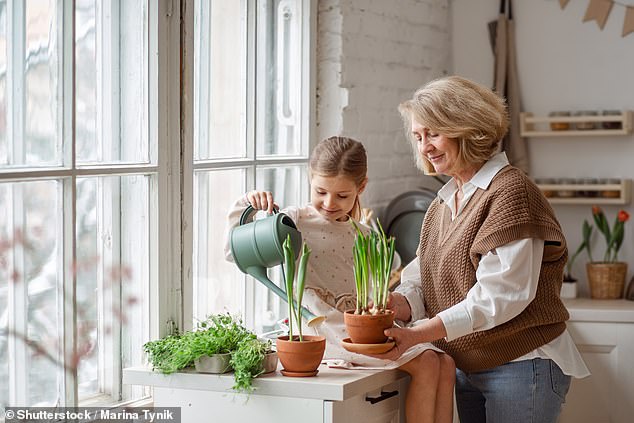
247	213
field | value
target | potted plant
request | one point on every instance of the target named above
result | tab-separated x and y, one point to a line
569	287
217	345
607	277
373	254
299	354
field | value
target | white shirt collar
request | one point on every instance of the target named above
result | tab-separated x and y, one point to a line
482	179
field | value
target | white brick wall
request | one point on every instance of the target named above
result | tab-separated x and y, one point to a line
371	55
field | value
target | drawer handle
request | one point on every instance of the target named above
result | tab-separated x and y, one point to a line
384	395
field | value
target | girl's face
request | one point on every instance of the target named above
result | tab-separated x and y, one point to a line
440	150
334	196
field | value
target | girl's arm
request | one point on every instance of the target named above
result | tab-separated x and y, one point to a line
260	200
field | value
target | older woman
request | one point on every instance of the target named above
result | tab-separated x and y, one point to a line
491	261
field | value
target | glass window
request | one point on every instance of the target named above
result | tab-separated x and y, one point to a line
249	133
76	187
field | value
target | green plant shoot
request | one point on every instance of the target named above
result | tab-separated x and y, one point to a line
373	256
295	284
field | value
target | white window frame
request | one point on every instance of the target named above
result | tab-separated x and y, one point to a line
163	284
255	106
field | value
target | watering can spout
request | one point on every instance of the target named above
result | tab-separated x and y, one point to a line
259	273
257	245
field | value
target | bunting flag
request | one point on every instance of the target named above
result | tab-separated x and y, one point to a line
598	10
628	22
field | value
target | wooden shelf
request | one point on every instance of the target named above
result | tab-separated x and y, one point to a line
624	193
531	126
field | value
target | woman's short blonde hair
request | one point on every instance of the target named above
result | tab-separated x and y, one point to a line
473	115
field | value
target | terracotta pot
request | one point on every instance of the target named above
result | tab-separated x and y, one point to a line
300	358
368	328
606	280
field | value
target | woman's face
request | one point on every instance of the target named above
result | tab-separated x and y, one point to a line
333	196
440	150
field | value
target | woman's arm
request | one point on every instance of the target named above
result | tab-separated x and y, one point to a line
407	300
506	284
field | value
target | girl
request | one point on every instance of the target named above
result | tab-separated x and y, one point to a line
337	171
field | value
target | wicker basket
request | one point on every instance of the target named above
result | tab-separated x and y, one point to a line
607	280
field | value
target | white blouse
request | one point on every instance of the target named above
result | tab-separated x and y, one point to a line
506	283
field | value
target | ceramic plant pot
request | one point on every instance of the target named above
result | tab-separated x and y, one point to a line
216	363
300	359
568	290
368	328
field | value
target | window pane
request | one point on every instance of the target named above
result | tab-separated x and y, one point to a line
110	89
288	187
112	261
220	94
280	78
218	284
30	262
42	86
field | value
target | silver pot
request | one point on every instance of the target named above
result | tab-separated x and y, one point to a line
216	363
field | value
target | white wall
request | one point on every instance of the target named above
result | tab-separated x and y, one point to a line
564	64
372	55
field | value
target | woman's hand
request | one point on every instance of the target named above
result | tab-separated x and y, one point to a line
404	339
399	305
261	200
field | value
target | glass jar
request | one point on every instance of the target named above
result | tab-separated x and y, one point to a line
584	126
566	191
611	193
611	124
590	193
559	126
548	192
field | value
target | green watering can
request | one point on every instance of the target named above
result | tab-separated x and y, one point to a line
257	245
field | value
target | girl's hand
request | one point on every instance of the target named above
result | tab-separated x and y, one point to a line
261	200
399	305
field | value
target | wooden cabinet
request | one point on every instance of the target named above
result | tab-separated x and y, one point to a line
603	331
333	396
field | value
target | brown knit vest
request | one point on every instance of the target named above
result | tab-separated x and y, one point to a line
512	208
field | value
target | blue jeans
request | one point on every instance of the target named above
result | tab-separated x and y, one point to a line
528	391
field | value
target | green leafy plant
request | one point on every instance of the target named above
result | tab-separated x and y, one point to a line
218	334
586	230
373	255
613	236
247	362
167	354
295	283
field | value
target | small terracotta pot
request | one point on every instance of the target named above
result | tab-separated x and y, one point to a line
368	328
301	358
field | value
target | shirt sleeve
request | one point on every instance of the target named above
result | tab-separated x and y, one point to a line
233	218
506	283
411	288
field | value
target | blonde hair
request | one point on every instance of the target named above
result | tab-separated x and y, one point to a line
470	113
341	156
